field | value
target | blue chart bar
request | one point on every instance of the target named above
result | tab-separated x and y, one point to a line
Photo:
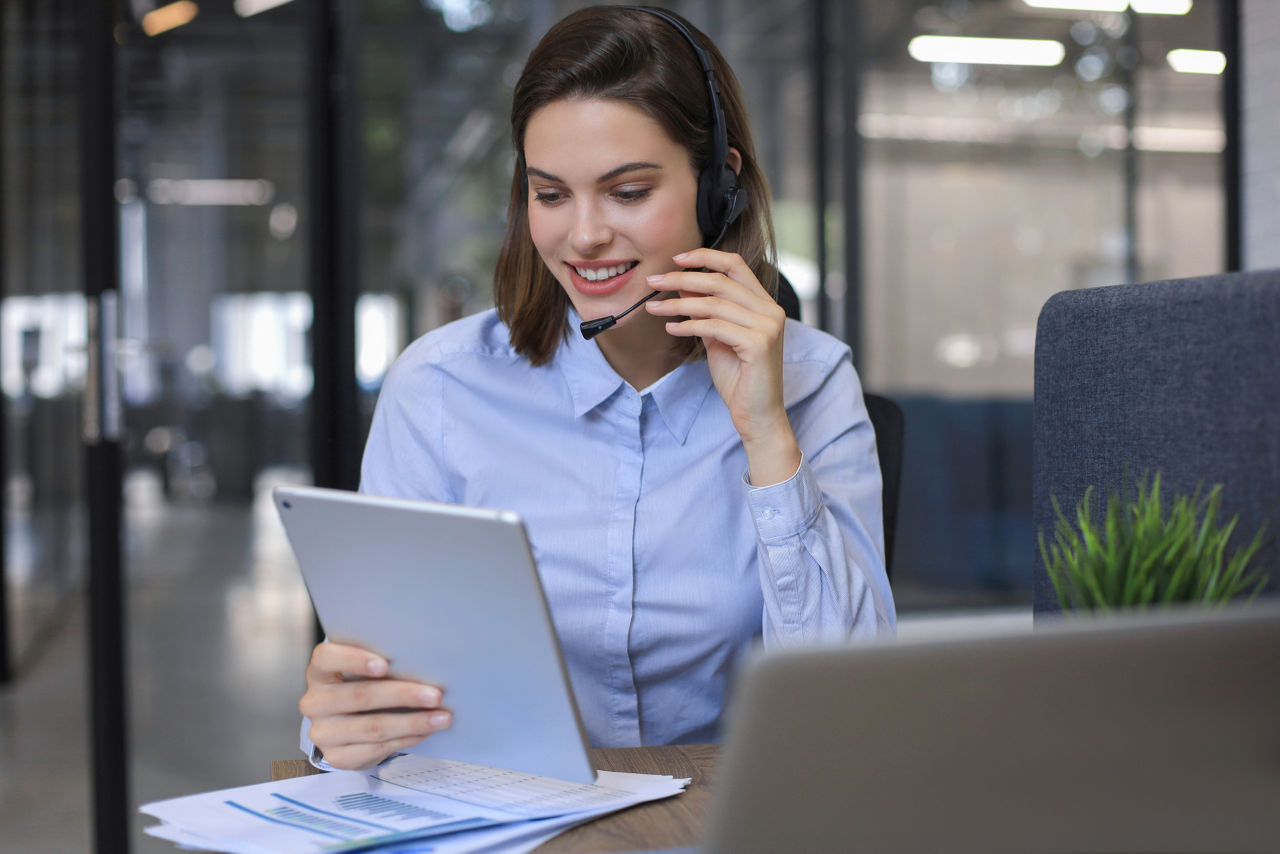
296	818
385	807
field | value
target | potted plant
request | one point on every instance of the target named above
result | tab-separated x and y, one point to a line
1138	555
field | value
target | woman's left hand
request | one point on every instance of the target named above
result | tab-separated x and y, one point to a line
721	301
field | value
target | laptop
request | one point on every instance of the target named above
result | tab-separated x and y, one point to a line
1150	734
450	595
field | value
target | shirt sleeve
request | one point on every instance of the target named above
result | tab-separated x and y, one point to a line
404	454
820	534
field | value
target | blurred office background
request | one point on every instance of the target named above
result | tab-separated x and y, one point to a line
927	204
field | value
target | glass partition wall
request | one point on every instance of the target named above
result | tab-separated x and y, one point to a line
215	381
991	183
42	328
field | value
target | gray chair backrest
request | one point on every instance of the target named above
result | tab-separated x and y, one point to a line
1180	377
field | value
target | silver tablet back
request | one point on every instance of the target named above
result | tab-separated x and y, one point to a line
451	596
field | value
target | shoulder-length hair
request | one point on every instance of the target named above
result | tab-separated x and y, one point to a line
635	58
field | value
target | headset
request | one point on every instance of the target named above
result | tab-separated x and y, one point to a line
720	199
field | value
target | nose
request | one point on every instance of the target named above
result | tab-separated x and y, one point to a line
591	230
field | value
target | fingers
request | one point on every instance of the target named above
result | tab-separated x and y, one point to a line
362	740
730	263
712	305
721	285
359	717
709	307
334	662
348	698
359	757
392	730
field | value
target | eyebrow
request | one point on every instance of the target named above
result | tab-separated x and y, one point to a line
608	176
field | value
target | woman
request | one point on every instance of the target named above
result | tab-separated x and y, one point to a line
701	475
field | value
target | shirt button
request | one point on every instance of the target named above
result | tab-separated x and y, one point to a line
768	513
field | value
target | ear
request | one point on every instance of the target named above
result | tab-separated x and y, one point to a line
734	160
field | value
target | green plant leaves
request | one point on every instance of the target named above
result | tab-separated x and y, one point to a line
1136	555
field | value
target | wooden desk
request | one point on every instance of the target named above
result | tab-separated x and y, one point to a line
672	823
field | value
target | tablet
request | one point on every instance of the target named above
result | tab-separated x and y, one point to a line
449	595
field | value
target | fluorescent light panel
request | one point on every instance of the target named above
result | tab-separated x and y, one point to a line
248	8
1196	61
210	191
168	17
1142	7
1080	5
975	51
1160	7
970	130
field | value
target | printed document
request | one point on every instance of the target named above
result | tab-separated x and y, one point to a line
396	806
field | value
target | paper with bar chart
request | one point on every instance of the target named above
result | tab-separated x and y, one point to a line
400	804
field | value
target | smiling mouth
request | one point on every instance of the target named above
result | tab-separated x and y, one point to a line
599	275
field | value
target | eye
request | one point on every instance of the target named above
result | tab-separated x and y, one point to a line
628	195
547	198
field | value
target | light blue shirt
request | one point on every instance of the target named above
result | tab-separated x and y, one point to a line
661	564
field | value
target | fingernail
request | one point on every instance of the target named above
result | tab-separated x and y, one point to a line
680	257
440	720
656	277
429	697
376	667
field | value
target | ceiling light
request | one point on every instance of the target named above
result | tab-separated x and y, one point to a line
1197	61
1080	5
1144	7
247	8
975	51
210	191
1161	7
167	17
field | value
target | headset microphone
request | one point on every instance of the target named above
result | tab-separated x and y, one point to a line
720	199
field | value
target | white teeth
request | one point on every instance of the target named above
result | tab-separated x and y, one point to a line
601	273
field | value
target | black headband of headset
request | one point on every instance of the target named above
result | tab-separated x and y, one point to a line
719	134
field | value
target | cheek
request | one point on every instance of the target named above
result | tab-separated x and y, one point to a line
672	223
542	231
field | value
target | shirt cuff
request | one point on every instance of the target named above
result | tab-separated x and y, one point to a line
314	755
785	509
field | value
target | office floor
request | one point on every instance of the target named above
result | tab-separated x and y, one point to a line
220	629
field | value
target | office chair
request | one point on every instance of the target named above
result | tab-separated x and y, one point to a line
1176	377
889	424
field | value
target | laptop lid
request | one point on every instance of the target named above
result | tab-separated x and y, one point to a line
1120	735
450	595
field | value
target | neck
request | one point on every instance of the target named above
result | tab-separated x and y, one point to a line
640	349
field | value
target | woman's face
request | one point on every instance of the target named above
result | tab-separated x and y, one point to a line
611	199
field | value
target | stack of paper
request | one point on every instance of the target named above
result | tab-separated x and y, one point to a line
409	804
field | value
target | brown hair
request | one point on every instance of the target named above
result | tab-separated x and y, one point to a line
638	59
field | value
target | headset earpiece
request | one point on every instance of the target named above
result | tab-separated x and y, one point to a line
720	202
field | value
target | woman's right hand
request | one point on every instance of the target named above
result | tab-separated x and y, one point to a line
358	717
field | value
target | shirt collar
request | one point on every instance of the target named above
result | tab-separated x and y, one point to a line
592	380
679	396
590	377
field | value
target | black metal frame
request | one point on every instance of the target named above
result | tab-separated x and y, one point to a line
851	168
1232	154
6	668
333	178
106	648
1129	162
818	70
